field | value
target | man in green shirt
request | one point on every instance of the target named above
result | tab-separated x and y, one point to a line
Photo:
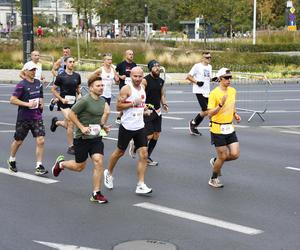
89	115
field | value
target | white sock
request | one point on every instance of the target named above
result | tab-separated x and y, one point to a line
95	192
140	183
60	165
38	163
12	158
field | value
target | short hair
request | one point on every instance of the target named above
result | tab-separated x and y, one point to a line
92	79
66	47
205	53
67	57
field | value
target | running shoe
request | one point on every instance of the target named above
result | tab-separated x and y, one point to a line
215	183
108	180
143	189
53	124
71	150
56	168
152	163
212	163
193	129
52	104
98	197
131	150
40	170
12	166
118	120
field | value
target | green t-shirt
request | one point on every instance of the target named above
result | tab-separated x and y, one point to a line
89	112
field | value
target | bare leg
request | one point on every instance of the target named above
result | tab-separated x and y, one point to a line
97	172
115	156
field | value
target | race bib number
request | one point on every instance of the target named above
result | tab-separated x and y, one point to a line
36	102
95	129
227	129
127	80
70	98
138	113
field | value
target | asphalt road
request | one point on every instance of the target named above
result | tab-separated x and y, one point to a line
258	208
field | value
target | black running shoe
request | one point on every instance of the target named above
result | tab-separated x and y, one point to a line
40	170
193	129
12	166
71	150
52	104
53	124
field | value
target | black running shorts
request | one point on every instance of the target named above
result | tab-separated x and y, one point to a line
37	128
220	140
139	137
153	123
85	147
203	101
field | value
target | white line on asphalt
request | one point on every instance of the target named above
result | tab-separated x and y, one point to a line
8	124
240	112
3	101
281	126
110	138
179	128
172	118
63	246
7	131
28	176
200	218
290	132
291	168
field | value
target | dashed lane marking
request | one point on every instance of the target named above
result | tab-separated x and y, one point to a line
291	168
200	218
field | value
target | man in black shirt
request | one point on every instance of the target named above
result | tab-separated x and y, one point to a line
69	84
124	69
155	98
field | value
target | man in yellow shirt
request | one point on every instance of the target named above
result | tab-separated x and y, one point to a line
222	111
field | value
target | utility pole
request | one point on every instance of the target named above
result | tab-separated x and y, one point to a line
146	22
254	23
27	28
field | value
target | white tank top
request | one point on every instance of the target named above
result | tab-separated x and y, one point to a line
108	80
133	118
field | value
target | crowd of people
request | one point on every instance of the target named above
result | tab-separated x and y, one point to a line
140	103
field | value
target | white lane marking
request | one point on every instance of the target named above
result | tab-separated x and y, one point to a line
291	99
28	176
290	132
109	138
7	131
8	124
291	168
237	126
172	118
3	101
63	246
280	126
240	112
200	218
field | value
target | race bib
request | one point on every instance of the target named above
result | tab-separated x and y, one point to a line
138	112
70	98
36	101
227	129
127	80
95	129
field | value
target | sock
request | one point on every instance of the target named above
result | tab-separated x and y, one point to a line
12	158
151	146
214	175
60	165
38	163
96	192
140	183
198	119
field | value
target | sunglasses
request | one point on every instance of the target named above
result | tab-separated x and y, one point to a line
227	77
207	57
33	69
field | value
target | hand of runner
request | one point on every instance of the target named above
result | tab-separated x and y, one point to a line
32	104
85	130
64	101
237	118
223	100
107	128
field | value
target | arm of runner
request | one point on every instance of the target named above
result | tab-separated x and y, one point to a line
163	100
16	101
214	111
73	117
116	75
57	95
105	118
22	74
55	67
122	104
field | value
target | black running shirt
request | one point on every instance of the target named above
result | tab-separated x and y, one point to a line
68	83
153	90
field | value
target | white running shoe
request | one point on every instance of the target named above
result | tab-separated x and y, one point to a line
118	120
215	183
131	151
151	163
108	180
212	163
143	189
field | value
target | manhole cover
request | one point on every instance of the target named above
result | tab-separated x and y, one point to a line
145	245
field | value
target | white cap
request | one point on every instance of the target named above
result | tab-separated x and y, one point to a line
30	65
224	72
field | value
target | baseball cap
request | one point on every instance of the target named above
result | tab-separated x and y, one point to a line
152	63
30	66
224	72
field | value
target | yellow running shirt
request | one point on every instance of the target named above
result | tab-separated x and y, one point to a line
223	119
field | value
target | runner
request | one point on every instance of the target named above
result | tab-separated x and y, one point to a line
35	59
200	76
155	96
131	101
89	115
221	109
58	68
124	69
68	83
109	76
28	96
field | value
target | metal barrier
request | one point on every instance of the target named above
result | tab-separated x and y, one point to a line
252	93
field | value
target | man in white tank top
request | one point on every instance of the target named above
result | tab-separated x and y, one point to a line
131	101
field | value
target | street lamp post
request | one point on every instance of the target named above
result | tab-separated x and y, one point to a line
27	28
254	23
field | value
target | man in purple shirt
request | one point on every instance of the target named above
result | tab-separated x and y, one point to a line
28	96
